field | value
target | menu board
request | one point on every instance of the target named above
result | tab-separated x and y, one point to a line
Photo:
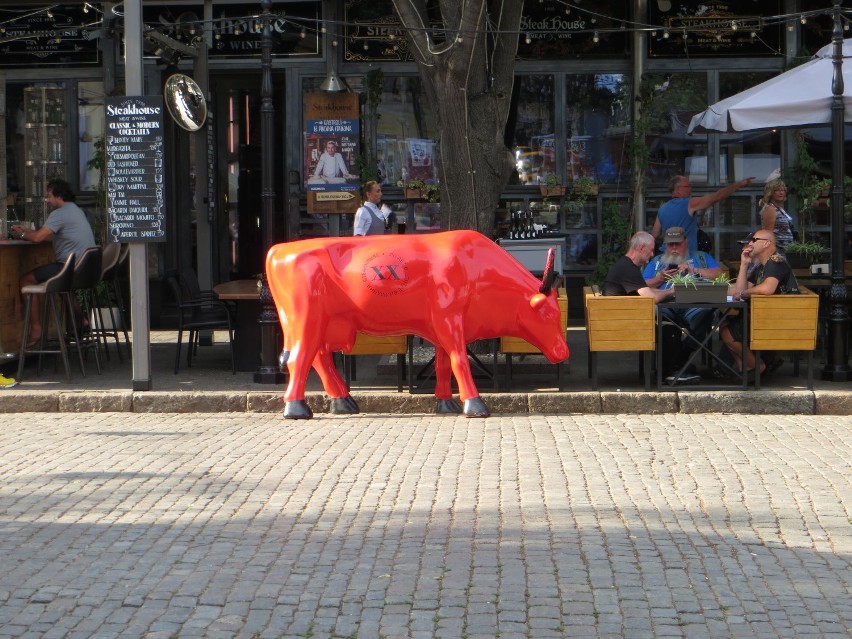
134	163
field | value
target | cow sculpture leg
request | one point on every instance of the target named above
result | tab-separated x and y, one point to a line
341	401
458	362
446	404
298	366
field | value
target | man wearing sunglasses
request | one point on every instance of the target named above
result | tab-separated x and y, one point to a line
762	272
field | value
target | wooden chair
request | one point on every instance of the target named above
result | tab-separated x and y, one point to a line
377	345
784	323
619	323
516	346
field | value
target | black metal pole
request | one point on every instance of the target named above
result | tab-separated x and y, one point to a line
837	364
268	371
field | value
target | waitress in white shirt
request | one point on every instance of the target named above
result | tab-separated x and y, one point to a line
371	219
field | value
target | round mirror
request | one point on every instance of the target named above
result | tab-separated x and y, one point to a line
185	102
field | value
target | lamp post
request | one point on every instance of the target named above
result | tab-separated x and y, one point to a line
268	372
837	364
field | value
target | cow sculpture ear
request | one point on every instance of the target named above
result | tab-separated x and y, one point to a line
537	300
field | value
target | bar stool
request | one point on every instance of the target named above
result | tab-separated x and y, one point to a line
87	275
58	286
108	297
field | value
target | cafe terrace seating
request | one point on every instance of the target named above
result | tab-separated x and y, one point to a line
57	293
199	314
784	323
619	323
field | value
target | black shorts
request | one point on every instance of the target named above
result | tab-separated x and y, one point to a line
735	325
45	272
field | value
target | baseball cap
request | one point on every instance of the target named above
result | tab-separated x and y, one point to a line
674	234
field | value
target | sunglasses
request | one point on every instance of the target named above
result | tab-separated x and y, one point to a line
757	239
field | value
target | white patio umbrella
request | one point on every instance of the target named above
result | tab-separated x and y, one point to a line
796	98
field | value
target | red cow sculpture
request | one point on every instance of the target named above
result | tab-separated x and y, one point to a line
450	288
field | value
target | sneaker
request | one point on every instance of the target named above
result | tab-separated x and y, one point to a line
7	382
686	378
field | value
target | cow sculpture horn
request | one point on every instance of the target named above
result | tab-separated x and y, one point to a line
549	273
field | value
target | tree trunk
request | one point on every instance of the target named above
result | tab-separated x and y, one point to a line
468	71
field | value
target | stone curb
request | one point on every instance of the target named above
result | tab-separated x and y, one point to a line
763	402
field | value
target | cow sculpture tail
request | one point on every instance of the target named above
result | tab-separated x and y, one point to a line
549	273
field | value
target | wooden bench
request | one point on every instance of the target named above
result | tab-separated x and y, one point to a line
619	323
784	323
516	346
377	345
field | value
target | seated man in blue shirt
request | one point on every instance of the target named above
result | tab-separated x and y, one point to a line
677	258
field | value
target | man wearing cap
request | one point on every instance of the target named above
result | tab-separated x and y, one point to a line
678	259
681	209
770	275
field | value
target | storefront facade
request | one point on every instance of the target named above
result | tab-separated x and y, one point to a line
573	114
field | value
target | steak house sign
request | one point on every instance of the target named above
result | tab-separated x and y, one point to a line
134	162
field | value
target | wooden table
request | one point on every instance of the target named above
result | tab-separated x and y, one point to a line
257	334
16	258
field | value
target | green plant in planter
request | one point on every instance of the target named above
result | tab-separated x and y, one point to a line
429	191
722	278
809	252
584	186
682	279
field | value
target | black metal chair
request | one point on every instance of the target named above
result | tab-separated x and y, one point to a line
108	316
57	287
87	275
196	315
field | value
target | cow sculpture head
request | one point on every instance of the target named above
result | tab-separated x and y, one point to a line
555	349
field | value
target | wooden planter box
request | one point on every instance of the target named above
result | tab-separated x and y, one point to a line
552	191
701	293
413	194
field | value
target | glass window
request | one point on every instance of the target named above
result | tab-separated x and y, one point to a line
532	139
674	99
747	153
90	97
597	119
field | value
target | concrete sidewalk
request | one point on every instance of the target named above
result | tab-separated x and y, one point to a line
210	387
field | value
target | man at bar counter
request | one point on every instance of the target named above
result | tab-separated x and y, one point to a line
70	232
762	272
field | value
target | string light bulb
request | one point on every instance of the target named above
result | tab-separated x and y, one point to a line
528	39
596	38
804	20
790	27
666	34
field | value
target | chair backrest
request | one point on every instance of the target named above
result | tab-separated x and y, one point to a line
784	322
109	259
87	270
62	281
189	279
620	322
176	288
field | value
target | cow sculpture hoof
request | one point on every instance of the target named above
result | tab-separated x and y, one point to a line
448	407
283	356
298	409
475	407
344	405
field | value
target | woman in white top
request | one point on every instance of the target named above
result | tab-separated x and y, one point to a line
773	217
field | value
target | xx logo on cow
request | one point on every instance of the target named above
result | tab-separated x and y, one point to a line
385	274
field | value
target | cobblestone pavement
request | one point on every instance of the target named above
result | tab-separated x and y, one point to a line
241	525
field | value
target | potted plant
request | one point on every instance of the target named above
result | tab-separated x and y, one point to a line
585	187
689	289
417	189
552	186
803	254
